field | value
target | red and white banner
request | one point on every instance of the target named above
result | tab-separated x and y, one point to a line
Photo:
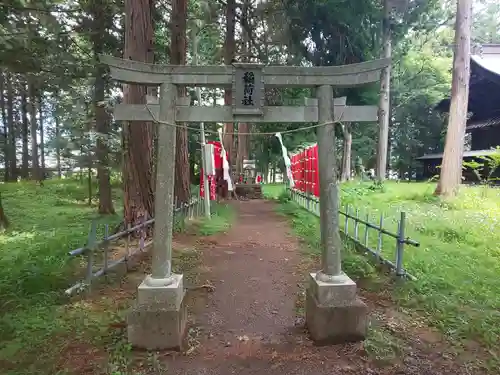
211	179
305	170
212	186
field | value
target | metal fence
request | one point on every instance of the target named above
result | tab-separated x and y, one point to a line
357	228
100	255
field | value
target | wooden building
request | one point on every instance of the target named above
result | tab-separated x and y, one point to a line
483	124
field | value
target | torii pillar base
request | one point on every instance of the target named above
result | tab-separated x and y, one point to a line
334	313
159	318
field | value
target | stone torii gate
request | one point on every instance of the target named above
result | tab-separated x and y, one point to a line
334	312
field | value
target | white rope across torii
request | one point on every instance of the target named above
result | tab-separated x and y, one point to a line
286	158
225	164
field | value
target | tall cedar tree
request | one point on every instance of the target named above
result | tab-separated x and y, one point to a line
102	120
451	169
229	54
137	136
25	131
35	163
178	48
4	222
384	105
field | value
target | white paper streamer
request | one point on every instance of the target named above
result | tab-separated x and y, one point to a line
225	164
288	163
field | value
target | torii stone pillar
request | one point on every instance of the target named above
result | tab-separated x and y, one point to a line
334	313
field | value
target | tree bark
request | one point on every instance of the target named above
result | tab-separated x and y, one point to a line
102	124
102	150
42	138
451	169
4	222
243	138
58	146
25	169
385	83
229	54
35	164
178	49
4	130
11	131
346	154
137	136
242	149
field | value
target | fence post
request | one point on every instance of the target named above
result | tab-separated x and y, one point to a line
175	216
91	243
379	241
366	229
356	224
106	245
127	247
346	226
142	235
400	245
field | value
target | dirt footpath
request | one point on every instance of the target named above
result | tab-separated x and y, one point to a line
250	324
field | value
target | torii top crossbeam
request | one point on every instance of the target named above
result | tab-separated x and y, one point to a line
129	71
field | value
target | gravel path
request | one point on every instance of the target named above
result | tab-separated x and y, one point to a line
249	324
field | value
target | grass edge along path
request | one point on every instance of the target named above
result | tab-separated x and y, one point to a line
465	309
46	223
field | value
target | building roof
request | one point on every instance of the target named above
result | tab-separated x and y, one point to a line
466	154
484	88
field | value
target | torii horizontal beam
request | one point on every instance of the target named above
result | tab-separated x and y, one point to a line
128	71
283	114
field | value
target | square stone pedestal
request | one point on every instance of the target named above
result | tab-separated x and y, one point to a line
334	314
158	319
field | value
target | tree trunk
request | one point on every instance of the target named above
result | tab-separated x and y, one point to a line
265	173
229	54
4	222
385	83
451	169
42	138
242	150
102	152
35	165
101	117
4	130
58	147
178	48
25	170
138	136
346	155
11	131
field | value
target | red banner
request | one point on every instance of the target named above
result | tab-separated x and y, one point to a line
212	187
305	170
315	177
211	179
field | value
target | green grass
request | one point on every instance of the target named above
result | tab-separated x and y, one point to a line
458	263
47	222
222	217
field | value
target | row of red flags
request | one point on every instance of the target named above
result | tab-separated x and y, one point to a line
305	170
